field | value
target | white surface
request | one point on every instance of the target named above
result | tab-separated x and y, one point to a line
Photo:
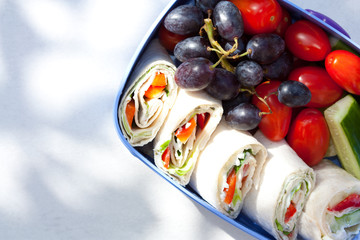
64	173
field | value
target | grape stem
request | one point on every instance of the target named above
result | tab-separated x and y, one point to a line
216	47
264	101
252	91
241	55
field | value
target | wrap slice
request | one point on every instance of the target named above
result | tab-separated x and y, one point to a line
226	168
333	208
150	94
192	120
285	184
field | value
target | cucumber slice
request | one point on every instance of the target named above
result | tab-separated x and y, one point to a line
331	151
337	44
343	119
346	221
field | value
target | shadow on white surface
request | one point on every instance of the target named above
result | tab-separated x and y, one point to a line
64	173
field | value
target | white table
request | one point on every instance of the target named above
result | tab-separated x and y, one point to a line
64	174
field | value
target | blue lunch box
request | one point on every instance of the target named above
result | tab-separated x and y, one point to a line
242	222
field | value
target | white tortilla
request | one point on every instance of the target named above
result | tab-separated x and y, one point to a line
333	184
282	172
151	114
218	158
186	106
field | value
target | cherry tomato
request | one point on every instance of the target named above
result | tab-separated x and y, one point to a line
284	23
344	69
259	16
324	91
275	125
309	136
168	39
307	41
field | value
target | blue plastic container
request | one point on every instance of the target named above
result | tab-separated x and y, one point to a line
242	222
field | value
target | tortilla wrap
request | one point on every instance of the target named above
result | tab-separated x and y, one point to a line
184	156
333	185
150	113
285	183
228	149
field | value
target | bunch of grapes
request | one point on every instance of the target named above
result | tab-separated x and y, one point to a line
220	59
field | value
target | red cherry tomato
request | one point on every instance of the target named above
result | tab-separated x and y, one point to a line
259	16
284	23
309	136
307	41
168	39
344	69
324	91
274	126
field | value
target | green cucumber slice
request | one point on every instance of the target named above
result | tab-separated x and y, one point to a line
345	221
337	44
343	119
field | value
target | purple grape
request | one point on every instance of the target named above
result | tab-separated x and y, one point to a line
265	48
185	19
192	47
280	69
245	116
228	20
249	73
224	86
194	74
206	5
242	97
294	93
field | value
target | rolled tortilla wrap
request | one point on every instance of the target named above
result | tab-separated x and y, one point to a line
229	153
332	211
188	108
150	101
285	184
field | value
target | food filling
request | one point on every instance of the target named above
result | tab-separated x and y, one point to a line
290	207
155	88
238	180
344	217
177	151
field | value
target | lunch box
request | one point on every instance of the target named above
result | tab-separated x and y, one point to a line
242	222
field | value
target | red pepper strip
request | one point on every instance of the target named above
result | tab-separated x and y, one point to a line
244	180
159	80
353	200
245	168
166	157
157	86
153	91
130	111
184	132
202	119
290	212
231	181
